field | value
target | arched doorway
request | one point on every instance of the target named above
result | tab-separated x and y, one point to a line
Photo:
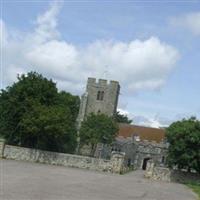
144	165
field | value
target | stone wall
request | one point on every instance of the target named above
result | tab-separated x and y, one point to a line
102	151
165	174
2	145
139	151
151	150
157	173
114	165
90	103
109	102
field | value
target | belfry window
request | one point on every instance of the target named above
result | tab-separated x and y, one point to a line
100	95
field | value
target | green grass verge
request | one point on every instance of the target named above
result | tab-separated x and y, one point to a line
195	187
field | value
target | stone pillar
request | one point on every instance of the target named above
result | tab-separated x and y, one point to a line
117	160
2	145
149	169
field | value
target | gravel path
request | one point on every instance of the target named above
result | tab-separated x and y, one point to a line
32	181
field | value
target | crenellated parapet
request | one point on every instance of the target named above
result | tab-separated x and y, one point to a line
102	82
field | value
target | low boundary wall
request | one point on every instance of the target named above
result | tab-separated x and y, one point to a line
165	174
114	165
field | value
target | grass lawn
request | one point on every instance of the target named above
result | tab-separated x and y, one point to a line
195	187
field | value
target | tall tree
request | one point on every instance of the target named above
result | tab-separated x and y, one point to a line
70	101
34	114
184	139
97	128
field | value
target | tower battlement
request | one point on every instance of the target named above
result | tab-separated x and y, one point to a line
102	82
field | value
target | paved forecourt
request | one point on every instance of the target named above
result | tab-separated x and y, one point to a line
32	181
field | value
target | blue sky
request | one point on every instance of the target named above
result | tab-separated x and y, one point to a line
152	48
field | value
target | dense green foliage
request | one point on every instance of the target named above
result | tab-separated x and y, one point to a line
120	118
34	114
98	128
184	139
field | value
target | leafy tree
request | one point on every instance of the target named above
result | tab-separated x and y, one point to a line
48	128
120	118
69	101
184	139
97	128
34	114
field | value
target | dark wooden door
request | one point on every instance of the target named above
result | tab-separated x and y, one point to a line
144	165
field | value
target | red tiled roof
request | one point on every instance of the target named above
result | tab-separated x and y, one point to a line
145	133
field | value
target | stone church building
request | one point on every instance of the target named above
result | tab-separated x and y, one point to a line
139	144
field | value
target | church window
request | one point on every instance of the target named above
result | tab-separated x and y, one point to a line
100	95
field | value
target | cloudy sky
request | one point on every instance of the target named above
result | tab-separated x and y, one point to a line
152	48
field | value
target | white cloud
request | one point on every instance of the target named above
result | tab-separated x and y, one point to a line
190	21
47	23
123	112
157	121
154	122
147	121
136	64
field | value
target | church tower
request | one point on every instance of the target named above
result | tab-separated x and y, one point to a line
100	97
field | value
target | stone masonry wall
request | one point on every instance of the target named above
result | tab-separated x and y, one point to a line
154	151
2	145
109	102
157	173
138	151
165	174
115	165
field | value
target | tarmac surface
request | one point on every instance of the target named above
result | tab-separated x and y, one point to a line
32	181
